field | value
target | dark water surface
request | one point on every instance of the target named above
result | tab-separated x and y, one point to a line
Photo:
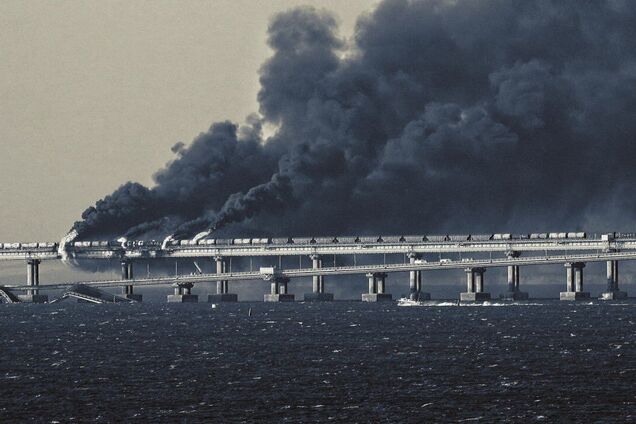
344	361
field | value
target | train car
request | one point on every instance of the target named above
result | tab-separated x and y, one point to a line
576	235
242	241
537	236
436	238
412	239
557	235
623	235
183	242
12	245
520	236
609	236
302	240
390	239
207	242
480	237
346	240
261	241
281	240
29	245
503	236
224	242
323	240
367	239
459	237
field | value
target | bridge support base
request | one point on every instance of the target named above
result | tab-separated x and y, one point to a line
318	297
132	296
33	298
377	297
574	295
286	297
183	298
613	295
515	295
474	296
222	297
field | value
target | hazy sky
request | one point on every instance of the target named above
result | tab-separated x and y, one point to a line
95	93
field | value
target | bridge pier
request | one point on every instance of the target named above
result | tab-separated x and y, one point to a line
474	286
127	273
33	279
183	294
377	286
612	292
222	286
514	292
318	284
415	281
574	282
278	292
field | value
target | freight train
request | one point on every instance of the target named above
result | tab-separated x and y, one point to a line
263	241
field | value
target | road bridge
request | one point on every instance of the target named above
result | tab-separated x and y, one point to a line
377	275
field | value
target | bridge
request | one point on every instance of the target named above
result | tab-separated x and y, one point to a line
452	252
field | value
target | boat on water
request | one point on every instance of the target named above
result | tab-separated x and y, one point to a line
405	301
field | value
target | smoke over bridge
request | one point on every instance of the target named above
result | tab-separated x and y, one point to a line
462	115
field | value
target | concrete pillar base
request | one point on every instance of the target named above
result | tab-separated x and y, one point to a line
183	298
574	295
474	296
613	295
33	298
376	297
279	298
135	297
318	297
225	297
515	295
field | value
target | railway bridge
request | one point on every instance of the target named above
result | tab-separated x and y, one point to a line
420	253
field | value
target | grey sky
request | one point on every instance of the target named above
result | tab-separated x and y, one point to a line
95	94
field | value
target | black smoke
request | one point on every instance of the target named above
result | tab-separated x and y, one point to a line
461	116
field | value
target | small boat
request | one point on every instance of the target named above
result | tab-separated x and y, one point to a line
404	301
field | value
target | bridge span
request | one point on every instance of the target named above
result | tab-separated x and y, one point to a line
572	255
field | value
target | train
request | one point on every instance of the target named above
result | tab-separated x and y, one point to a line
264	241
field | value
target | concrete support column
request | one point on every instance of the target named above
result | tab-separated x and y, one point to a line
317	284
511	278
413	277
316	264
479	280
377	288
574	282
279	290
371	278
470	280
514	291
222	286
474	286
33	280
380	282
127	273
613	291
578	278
33	276
415	280
282	285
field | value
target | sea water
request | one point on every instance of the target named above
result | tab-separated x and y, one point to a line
541	361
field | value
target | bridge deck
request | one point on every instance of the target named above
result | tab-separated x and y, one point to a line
347	270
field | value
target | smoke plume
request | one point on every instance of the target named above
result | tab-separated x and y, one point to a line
460	116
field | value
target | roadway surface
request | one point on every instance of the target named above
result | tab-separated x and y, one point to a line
346	270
